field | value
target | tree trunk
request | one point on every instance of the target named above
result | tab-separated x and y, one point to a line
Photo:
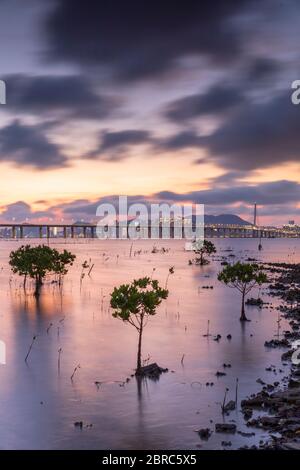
243	315
38	284
139	352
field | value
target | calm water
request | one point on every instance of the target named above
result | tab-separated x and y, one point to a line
38	405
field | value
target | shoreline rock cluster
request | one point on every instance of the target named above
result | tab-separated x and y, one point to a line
279	403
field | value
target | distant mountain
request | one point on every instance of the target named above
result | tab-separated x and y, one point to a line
225	219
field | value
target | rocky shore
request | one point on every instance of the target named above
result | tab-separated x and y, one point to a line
277	405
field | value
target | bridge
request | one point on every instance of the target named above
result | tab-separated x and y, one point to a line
86	230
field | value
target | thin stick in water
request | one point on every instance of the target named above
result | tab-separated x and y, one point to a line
58	361
74	371
236	391
30	347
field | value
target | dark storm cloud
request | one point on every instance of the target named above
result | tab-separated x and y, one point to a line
274	193
259	136
180	141
279	193
21	211
26	145
114	145
71	96
141	39
262	68
217	100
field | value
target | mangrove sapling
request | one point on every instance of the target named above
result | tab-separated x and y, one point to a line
30	347
206	248
38	261
243	277
134	304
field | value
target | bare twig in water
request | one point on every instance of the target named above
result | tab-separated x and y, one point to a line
74	371
153	269
58	361
30	347
224	401
236	391
171	271
182	359
207	332
90	270
130	253
51	324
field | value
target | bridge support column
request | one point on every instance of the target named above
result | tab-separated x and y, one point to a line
84	232
65	232
48	232
13	232
41	232
72	232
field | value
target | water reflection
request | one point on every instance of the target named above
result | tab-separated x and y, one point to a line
41	405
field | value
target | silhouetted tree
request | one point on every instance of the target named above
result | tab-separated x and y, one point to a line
134	303
38	261
206	248
243	277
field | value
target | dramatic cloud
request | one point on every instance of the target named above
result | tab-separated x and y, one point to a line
26	145
135	39
259	136
20	211
278	198
215	101
114	145
275	193
261	69
71	96
180	141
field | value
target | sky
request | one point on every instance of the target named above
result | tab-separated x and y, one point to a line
160	101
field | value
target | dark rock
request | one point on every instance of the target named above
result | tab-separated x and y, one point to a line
226	443
256	302
204	433
246	434
152	371
277	343
230	406
225	427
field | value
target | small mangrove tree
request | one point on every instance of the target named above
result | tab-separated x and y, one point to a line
134	304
